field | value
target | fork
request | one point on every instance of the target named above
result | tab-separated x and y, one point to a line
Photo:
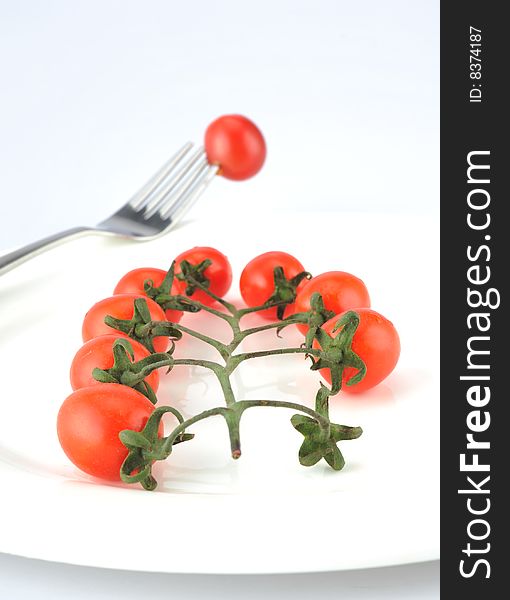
153	210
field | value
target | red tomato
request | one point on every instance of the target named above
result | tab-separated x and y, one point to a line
340	292
120	307
235	144
132	283
89	423
97	352
219	273
376	342
257	280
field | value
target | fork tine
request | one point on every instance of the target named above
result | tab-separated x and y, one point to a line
186	181
174	184
190	194
144	193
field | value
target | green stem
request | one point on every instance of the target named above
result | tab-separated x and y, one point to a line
226	386
251	309
229	306
232	416
220	372
167	445
220	347
195	362
235	360
290	321
213	311
242	405
231	319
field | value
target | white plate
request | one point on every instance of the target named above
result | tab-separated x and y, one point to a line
264	513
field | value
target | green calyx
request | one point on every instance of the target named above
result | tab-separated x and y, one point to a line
284	290
193	274
141	328
127	372
146	446
163	294
314	318
337	353
320	443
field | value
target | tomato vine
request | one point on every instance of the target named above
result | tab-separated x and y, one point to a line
321	436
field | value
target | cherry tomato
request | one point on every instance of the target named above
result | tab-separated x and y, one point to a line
340	291
89	423
235	144
120	307
257	280
219	273
97	352
132	283
376	342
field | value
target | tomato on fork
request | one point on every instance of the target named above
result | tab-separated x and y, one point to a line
236	145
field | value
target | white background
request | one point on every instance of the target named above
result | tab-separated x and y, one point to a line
94	96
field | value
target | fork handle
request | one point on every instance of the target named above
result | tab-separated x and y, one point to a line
13	259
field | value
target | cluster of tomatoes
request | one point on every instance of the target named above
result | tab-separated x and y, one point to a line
91	418
376	340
